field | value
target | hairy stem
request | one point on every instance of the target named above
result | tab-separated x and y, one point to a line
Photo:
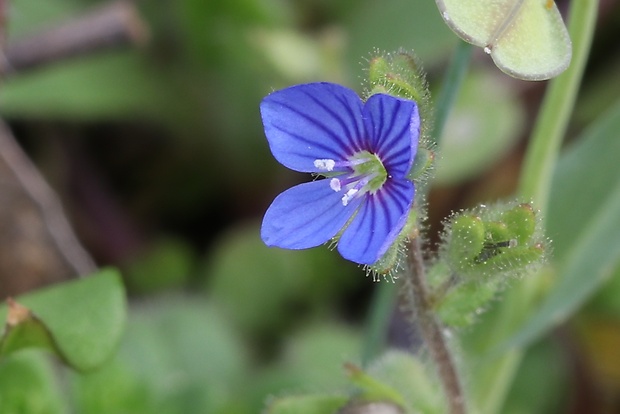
556	109
416	292
451	85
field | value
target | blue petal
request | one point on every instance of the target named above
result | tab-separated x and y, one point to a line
393	127
306	215
377	223
304	123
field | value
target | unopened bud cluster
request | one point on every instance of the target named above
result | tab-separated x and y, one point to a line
482	249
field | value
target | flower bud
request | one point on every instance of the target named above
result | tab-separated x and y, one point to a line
493	240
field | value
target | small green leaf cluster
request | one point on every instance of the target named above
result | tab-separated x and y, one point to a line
481	251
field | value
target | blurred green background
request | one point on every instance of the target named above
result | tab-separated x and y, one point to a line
158	156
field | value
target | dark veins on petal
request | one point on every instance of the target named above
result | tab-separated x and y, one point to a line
308	142
358	138
343	124
336	139
390	155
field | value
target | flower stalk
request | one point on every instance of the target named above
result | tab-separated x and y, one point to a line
416	293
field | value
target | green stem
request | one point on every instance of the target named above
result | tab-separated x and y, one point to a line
451	85
534	185
556	109
385	294
382	306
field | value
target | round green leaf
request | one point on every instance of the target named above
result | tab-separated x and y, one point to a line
85	317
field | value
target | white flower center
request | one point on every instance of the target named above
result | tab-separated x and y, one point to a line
365	174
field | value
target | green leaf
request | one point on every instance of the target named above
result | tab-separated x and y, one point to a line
81	321
413	25
409	377
312	360
106	85
27	17
317	355
307	404
27	385
536	390
257	285
124	392
583	180
166	265
373	390
478	131
178	355
583	221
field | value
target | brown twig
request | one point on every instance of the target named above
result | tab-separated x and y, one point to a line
416	292
2	24
47	202
114	24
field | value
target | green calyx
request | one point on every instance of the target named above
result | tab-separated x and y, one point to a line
390	263
422	165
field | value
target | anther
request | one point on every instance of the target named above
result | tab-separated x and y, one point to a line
327	165
334	184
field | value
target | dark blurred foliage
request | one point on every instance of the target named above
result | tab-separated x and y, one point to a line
158	155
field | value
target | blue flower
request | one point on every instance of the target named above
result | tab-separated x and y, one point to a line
364	151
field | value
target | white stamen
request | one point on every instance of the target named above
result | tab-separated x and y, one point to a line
334	184
327	165
348	196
